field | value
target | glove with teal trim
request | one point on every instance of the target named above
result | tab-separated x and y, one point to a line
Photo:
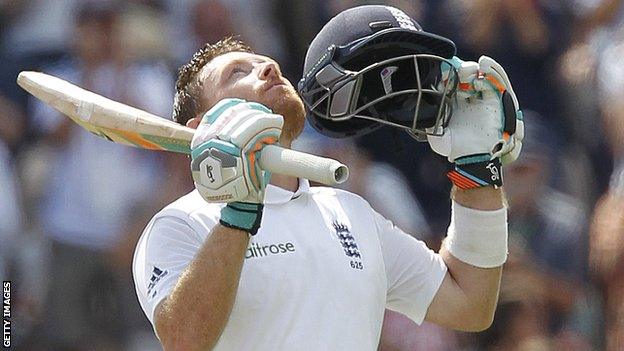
225	154
486	128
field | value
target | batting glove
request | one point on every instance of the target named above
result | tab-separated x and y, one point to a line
486	129
225	153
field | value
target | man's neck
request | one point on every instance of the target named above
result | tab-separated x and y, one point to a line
285	182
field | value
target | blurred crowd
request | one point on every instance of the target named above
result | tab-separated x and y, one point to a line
73	205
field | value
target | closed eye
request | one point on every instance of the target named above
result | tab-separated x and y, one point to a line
237	71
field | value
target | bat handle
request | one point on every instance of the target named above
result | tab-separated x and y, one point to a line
300	164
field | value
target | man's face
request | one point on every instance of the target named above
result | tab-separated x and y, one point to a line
254	78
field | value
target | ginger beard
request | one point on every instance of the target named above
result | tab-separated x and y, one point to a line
288	104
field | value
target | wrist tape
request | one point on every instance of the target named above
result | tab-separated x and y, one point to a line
471	172
242	215
478	238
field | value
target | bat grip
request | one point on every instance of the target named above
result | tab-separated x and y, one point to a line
300	164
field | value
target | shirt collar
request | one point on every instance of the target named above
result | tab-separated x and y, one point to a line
275	195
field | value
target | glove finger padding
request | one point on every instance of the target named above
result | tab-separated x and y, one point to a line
220	116
488	66
467	72
245	133
509	146
257	131
256	176
513	154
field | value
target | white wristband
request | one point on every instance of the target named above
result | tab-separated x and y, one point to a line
478	238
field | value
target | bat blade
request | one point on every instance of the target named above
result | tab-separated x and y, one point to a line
106	118
127	125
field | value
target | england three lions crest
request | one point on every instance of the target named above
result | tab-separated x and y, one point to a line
349	246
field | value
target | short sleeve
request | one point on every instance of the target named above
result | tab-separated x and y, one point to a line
165	249
414	272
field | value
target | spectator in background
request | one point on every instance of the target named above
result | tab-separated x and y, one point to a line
210	21
607	257
607	234
11	216
594	32
94	187
544	297
49	38
257	24
189	30
33	32
195	22
24	45
549	224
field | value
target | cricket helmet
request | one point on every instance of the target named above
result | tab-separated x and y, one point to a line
372	66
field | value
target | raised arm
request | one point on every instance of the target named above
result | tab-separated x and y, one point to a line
223	151
468	295
485	132
195	313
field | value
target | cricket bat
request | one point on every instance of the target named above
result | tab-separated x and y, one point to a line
131	126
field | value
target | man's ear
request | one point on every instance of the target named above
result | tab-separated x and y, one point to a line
193	122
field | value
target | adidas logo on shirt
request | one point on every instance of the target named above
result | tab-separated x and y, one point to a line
157	275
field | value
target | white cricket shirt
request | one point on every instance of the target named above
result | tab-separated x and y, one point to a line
317	276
